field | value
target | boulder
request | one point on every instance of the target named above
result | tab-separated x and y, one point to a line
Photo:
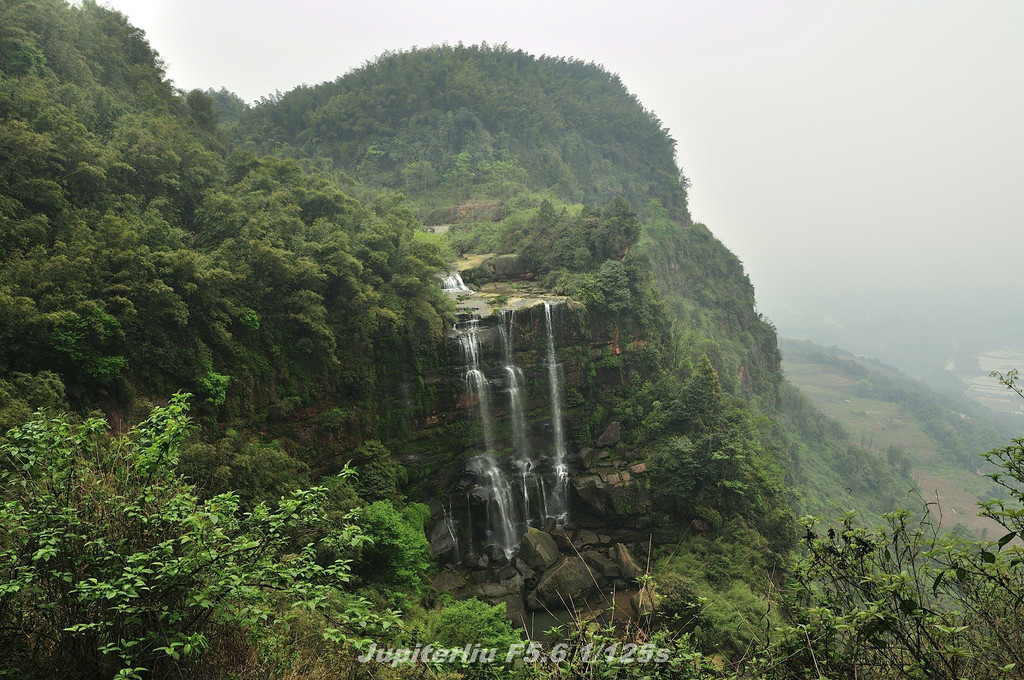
593	457
478	577
509	571
507	266
610	437
476	561
496	554
447	581
642	603
601	565
615	477
563	541
523	568
628	455
442	543
587	537
627	565
593	490
504	587
538	550
513	583
566	584
515	610
613	492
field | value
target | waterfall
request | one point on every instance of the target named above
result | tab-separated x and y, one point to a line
476	380
508	495
525	468
501	525
524	464
500	518
515	389
558	507
453	283
449	524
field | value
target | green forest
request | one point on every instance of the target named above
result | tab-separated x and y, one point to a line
251	428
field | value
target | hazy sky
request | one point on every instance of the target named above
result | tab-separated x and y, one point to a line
834	146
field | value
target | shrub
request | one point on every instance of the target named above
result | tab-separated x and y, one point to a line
111	565
396	554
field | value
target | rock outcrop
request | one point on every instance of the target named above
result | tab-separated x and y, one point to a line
627	565
538	550
564	586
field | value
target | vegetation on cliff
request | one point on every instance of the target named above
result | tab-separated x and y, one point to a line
137	257
265	264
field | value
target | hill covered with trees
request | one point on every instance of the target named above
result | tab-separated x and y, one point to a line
282	265
490	176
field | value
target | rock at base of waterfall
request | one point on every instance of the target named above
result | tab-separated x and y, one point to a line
508	266
523	568
515	609
593	457
610	437
586	538
538	550
564	586
476	561
496	554
604	567
563	540
630	569
507	587
447	581
442	543
642	603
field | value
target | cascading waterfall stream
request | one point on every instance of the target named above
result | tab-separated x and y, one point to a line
453	283
449	524
479	388
515	389
501	527
513	493
558	507
501	521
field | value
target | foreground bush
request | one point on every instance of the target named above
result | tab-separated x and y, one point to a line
111	566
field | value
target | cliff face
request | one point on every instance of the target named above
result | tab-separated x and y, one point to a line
505	441
524	511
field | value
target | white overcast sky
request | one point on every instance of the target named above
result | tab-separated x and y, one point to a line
873	145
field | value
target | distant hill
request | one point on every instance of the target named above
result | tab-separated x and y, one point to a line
939	438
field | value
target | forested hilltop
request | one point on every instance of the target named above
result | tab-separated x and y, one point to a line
256	422
515	152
